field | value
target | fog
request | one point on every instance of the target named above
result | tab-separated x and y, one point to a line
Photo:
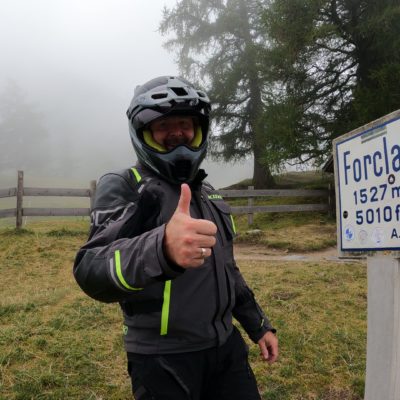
76	64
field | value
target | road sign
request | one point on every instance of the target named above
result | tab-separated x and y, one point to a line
367	177
367	167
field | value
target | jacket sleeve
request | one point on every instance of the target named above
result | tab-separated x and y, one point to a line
247	311
120	258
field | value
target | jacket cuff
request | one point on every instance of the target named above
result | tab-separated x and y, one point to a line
255	336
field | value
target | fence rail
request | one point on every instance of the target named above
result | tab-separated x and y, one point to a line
28	191
10	212
8	193
20	191
279	208
56	212
273	193
251	193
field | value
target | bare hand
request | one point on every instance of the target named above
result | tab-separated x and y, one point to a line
188	241
269	347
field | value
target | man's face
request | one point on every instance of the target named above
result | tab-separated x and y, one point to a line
172	131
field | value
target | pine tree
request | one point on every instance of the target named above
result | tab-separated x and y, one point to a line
336	66
220	44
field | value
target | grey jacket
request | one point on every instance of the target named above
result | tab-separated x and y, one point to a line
166	308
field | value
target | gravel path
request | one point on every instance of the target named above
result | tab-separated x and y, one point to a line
252	252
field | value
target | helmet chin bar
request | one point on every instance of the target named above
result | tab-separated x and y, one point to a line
182	170
181	164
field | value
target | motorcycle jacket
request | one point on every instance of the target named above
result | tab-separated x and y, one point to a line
167	309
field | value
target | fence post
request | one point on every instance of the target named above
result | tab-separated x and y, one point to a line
250	203
20	195
92	193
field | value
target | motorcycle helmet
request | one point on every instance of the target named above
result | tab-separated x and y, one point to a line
162	97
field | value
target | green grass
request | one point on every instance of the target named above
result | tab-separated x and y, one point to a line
56	343
319	310
296	232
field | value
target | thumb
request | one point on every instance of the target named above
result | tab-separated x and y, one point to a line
184	200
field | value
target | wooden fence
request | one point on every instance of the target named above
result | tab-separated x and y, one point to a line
20	191
251	193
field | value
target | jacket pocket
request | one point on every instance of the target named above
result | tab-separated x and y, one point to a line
225	213
148	300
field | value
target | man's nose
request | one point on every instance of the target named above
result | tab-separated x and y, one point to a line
175	130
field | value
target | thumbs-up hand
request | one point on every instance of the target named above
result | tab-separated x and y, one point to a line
187	240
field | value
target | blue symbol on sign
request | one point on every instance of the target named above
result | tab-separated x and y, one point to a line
349	233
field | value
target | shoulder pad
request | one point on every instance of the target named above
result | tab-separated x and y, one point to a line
211	193
207	186
115	189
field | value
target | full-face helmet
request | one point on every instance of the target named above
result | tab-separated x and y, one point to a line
162	97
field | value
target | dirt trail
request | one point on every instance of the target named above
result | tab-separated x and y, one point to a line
254	252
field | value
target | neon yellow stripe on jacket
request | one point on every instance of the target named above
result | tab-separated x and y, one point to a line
233	225
137	175
165	308
119	272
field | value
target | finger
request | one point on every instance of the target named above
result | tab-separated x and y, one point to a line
205	227
202	254
197	262
184	199
204	241
194	262
273	353
264	350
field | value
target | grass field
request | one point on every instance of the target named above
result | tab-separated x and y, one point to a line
56	343
297	231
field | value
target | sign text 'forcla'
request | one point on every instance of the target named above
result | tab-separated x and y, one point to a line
383	161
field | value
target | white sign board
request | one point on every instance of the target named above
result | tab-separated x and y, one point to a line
368	187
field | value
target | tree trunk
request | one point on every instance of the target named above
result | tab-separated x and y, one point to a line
262	177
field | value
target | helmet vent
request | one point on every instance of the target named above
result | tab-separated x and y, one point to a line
179	91
201	94
156	96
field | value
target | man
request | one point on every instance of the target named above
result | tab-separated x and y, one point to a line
161	245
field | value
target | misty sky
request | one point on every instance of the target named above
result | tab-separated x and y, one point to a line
78	62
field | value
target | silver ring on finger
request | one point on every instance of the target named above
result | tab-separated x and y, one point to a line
203	252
